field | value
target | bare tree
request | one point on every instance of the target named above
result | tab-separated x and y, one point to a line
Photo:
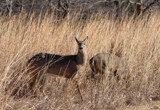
9	4
13	6
61	10
138	6
142	9
64	8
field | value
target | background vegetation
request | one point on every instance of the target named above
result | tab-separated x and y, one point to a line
125	28
136	40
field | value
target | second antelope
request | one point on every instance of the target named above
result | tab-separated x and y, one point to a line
103	62
62	65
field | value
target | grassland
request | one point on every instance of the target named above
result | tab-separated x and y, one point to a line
137	41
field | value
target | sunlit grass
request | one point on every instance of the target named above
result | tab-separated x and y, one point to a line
136	41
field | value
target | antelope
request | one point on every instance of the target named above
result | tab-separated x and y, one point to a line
61	65
103	62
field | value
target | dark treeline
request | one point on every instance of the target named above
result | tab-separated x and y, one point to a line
61	8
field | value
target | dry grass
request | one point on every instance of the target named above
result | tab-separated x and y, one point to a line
136	41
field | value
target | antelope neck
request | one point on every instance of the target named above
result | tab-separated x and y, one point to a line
81	56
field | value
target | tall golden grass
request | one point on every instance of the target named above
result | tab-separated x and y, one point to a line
137	41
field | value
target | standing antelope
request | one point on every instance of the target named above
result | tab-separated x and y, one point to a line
62	65
103	62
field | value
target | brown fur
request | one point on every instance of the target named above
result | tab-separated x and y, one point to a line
103	62
61	65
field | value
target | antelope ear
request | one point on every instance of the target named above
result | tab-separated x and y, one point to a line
85	39
76	40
